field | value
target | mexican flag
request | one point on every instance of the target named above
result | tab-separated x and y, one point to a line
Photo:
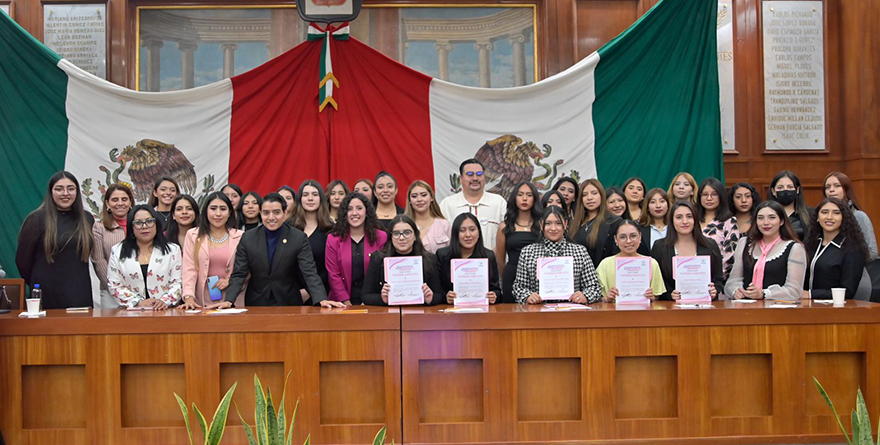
645	104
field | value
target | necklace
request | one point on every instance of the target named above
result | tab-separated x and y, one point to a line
524	226
219	241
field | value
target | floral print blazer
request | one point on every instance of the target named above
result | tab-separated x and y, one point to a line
126	281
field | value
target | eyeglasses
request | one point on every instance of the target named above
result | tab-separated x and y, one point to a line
147	223
474	173
402	235
710	195
632	237
69	190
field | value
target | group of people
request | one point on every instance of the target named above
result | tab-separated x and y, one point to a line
326	245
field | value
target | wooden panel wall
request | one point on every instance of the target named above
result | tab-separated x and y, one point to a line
570	29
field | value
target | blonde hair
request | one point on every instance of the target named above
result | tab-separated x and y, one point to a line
433	209
581	214
690	179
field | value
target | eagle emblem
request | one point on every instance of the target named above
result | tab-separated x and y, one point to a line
509	161
150	159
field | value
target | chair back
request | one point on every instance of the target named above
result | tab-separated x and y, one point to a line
15	289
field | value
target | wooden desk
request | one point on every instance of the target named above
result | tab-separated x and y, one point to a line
736	373
108	377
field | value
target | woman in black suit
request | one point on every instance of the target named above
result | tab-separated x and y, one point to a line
467	242
836	251
684	241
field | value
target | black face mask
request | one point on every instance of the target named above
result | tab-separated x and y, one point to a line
786	197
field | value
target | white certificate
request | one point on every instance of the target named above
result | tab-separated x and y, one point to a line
692	277
632	278
470	281
404	275
556	278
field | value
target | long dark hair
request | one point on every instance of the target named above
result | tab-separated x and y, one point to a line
371	222
323	214
333	185
618	191
756	197
238	216
205	224
799	207
561	214
644	189
558	194
418	249
722	213
849	228
755	235
847	185
154	198
577	189
259	198
173	232
129	244
647	219
513	210
83	231
455	244
672	234
581	215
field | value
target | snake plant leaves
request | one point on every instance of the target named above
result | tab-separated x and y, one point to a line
271	420
218	423
201	420
292	422
831	405
864	436
247	428
260	412
380	437
183	411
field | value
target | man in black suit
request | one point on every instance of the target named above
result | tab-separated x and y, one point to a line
276	256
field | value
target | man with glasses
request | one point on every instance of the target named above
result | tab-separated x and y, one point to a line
279	261
488	207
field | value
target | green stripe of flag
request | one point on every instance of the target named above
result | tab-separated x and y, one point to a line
33	129
657	97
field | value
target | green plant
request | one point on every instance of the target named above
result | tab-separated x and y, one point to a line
269	423
213	433
861	424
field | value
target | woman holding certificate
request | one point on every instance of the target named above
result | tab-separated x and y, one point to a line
770	262
403	272
565	268
836	250
467	243
682	242
356	235
629	277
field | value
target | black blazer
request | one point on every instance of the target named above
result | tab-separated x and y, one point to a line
605	245
279	283
645	246
375	279
444	257
663	254
836	267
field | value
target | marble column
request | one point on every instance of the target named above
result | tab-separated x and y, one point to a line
153	47
228	59
483	49
187	57
443	49
519	59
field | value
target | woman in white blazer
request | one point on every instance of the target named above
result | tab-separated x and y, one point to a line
144	269
209	252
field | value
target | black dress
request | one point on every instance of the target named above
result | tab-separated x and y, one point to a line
65	282
386	222
318	243
605	245
513	245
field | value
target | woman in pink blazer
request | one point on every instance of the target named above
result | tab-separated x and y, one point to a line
356	234
209	251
